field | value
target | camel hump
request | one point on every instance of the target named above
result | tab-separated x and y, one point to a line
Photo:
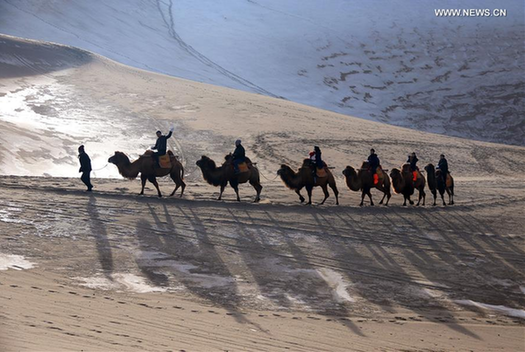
365	165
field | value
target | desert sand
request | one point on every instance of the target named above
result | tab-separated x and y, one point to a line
112	271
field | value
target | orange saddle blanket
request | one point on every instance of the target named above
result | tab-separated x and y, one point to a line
321	172
164	161
243	167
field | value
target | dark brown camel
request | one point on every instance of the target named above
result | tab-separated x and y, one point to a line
220	176
403	183
145	166
363	181
436	183
304	178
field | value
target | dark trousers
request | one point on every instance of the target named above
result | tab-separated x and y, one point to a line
155	157
87	179
236	163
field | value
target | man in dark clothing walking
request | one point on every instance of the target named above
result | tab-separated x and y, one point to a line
443	166
373	161
85	167
161	146
239	155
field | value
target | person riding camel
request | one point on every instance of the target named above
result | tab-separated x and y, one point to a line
311	156
239	156
443	166
319	163
412	159
160	146
373	162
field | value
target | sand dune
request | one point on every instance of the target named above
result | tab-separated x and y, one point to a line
113	271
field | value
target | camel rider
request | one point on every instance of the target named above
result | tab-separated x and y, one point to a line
443	166
373	162
311	156
318	161
160	146
412	159
239	155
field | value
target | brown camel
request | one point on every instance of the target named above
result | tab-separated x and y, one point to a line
145	166
363	181
435	183
304	178
403	183
220	176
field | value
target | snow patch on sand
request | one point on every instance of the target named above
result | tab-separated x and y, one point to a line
517	313
337	283
120	281
17	262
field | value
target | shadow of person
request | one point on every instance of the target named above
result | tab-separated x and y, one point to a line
98	229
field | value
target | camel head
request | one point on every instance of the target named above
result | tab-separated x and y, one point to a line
429	169
206	163
397	180
119	158
349	171
284	170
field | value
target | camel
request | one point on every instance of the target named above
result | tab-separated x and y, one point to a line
403	183
305	178
220	176
435	182
363	181
145	166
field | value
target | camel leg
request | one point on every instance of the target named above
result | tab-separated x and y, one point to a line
384	196
326	194
336	192
179	182
370	197
153	180
143	179
222	190
363	193
309	191
388	196
258	189
235	187
410	201
301	198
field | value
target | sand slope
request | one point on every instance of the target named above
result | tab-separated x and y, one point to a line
113	271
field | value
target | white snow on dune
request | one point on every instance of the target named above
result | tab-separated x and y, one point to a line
395	62
517	313
17	262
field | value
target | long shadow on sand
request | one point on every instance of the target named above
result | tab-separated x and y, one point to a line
98	229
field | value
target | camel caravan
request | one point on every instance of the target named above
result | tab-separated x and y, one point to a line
313	172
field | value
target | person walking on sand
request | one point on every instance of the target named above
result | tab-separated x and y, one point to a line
85	167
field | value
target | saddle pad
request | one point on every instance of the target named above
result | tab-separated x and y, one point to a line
164	161
243	167
321	173
449	181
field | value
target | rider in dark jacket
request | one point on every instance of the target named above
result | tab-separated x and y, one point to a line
443	166
239	155
412	159
373	162
161	146
318	161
